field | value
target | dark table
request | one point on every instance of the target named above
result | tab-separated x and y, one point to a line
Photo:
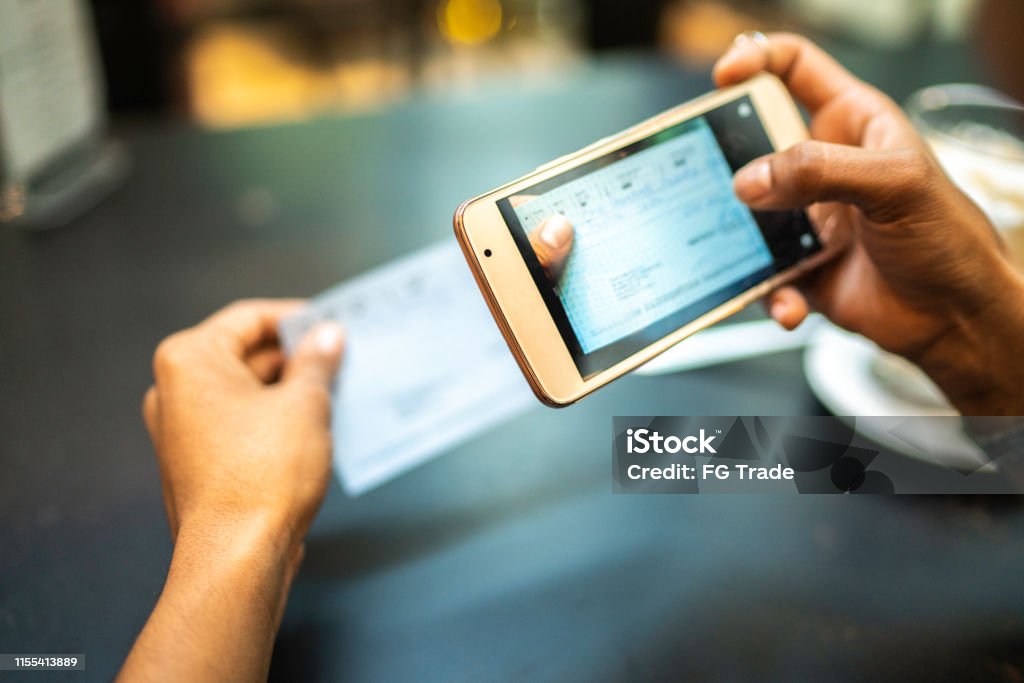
509	557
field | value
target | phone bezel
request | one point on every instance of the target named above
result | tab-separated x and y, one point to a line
512	295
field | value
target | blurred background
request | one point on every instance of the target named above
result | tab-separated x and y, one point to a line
67	66
228	63
277	147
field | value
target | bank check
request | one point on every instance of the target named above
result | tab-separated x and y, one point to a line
425	367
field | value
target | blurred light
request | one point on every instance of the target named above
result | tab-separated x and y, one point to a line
469	21
246	73
12	202
700	31
239	75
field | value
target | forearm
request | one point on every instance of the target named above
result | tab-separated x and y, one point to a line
978	362
220	609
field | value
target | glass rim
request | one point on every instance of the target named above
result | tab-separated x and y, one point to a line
936	98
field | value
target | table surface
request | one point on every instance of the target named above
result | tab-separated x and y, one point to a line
508	557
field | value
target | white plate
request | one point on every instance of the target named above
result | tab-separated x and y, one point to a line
842	370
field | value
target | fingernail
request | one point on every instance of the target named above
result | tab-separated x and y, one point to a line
329	337
754	180
777	310
557	231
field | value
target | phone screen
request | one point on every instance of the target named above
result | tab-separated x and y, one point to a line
659	236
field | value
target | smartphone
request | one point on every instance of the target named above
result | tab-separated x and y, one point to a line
661	246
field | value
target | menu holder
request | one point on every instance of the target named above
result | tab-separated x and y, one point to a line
56	161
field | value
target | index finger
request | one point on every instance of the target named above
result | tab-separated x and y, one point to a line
248	324
811	75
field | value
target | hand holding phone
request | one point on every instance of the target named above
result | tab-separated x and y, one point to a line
598	261
924	274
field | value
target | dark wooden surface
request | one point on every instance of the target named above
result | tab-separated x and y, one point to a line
507	558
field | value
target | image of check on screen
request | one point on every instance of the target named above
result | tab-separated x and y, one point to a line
633	244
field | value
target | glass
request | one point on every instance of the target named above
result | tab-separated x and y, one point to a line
977	133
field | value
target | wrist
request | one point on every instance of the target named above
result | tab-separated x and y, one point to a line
257	540
221	605
977	361
267	521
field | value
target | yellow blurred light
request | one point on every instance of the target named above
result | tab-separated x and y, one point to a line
469	21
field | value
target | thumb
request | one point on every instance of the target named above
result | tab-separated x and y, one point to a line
552	241
315	362
885	185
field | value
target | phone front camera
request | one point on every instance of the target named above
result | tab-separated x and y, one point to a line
487	253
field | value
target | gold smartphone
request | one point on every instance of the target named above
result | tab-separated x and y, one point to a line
661	247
